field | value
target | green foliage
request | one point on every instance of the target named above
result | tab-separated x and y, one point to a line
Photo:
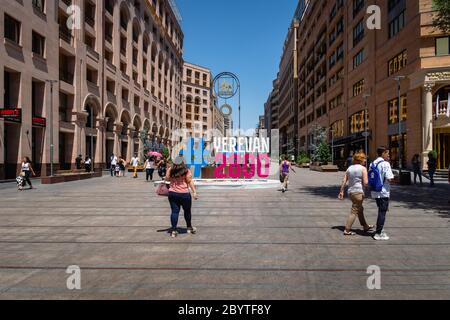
432	154
303	158
321	149
166	153
324	153
441	19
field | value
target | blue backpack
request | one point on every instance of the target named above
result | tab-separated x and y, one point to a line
375	182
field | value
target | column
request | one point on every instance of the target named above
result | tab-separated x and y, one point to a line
130	147
141	148
427	122
117	132
100	148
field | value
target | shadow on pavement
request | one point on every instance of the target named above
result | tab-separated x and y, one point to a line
410	197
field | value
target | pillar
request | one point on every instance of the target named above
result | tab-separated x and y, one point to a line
130	147
100	148
427	122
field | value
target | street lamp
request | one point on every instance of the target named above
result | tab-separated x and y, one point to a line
366	96
399	115
332	146
52	147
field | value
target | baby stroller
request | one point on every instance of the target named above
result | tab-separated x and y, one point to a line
20	180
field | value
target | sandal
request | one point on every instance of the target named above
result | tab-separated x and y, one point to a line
351	233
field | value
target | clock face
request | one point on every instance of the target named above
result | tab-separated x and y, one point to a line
226	110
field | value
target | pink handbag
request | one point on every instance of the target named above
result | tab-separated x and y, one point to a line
162	190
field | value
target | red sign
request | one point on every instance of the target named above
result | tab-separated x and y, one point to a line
13	115
39	122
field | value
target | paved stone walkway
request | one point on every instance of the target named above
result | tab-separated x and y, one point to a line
255	244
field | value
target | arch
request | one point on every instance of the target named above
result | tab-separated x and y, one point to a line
197	101
146	125
154	51
125	117
167	133
136	30
154	128
189	99
111	113
161	130
137	123
125	15
145	44
93	102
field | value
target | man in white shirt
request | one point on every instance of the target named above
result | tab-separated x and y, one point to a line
113	165
382	197
135	164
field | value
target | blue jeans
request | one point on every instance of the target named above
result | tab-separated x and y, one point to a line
178	201
383	207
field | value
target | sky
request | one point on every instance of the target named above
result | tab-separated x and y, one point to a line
244	37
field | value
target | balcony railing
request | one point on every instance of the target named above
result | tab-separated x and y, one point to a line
90	21
66	76
442	111
65	35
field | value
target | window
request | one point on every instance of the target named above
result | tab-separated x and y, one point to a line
358	88
358	32
38	44
358	59
394	147
393	109
443	46
358	5
392	4
338	128
39	5
357	122
397	63
12	29
397	24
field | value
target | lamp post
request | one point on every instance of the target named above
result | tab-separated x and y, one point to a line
332	146
52	147
366	96
399	115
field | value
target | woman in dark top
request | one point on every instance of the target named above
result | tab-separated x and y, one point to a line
432	165
417	168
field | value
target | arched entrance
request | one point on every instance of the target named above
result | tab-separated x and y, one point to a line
441	126
123	138
111	116
137	147
92	108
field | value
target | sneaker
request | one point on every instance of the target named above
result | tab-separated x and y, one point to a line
192	230
381	237
385	236
174	234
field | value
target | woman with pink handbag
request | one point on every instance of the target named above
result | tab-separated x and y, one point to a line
180	178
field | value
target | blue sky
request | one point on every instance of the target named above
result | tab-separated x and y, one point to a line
240	36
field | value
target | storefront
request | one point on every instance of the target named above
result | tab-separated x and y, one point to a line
11	133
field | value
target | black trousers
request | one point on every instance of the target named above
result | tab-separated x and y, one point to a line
149	174
26	179
383	208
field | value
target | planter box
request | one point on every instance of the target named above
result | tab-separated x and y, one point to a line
324	168
70	177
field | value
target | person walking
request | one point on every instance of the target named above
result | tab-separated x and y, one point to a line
135	164
88	164
25	172
285	168
162	168
380	176
149	166
113	165
357	179
122	167
180	179
432	166
417	168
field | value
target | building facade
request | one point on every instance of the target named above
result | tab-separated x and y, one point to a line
116	68
351	78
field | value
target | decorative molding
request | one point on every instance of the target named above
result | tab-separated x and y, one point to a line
438	76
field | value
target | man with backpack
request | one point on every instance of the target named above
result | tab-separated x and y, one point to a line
380	176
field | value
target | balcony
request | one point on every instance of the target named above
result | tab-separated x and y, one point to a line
94	54
109	38
66	76
442	111
90	21
65	34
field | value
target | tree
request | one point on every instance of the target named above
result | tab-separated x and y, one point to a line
320	147
441	19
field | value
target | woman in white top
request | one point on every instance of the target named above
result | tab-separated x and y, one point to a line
26	172
357	179
149	166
